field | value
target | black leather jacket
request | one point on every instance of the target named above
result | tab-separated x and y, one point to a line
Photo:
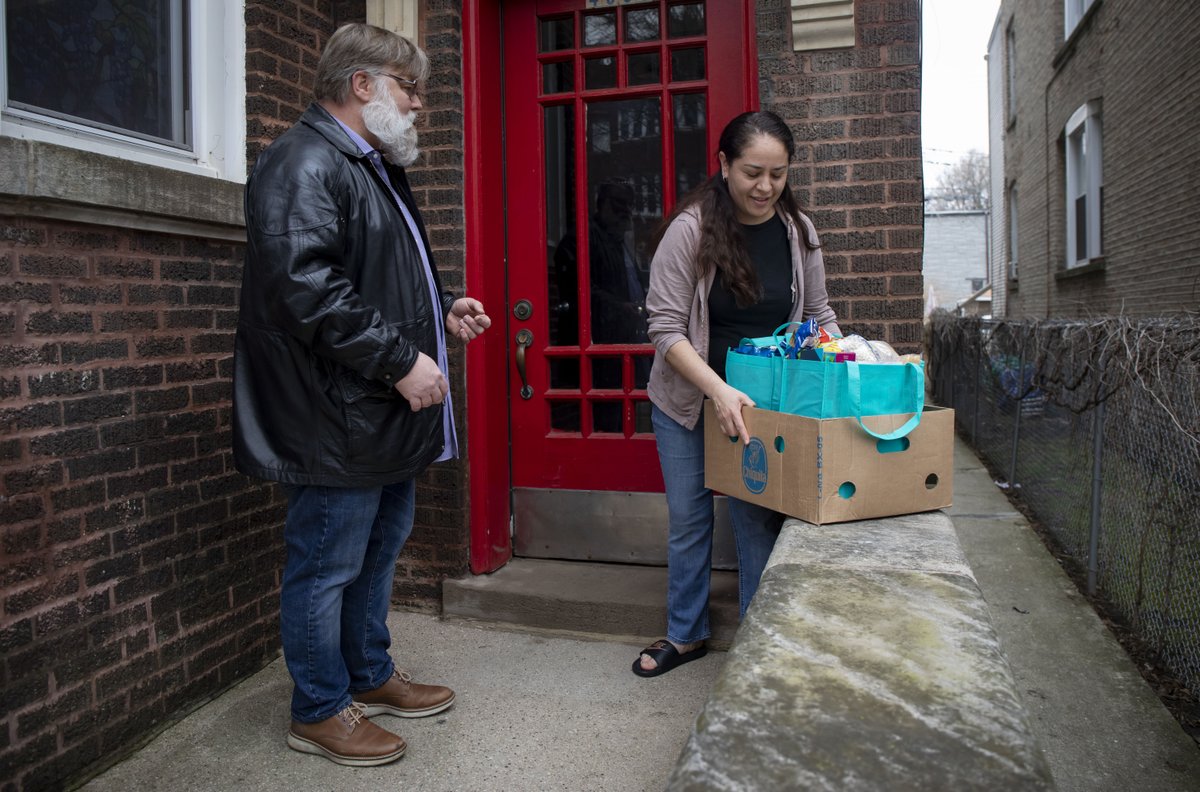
334	309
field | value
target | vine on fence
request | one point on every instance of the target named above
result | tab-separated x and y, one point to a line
1099	421
1080	363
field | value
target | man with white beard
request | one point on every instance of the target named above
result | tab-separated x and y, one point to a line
341	384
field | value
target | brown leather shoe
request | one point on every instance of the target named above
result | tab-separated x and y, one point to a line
347	738
405	698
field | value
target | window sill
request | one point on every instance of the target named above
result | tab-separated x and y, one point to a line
1094	265
47	180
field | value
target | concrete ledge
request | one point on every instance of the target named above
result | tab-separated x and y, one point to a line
47	180
867	661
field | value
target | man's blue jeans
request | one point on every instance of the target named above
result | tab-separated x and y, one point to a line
690	536
342	545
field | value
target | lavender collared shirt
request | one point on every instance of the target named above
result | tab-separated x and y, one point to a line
448	433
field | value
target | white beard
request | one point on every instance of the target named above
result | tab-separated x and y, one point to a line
395	130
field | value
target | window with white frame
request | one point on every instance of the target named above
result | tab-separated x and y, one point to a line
1012	231
1085	184
1073	11
154	81
1010	73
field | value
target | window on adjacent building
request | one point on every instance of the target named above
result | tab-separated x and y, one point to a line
1073	11
1011	218
1085	184
1010	74
155	81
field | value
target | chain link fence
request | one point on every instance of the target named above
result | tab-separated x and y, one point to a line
1095	427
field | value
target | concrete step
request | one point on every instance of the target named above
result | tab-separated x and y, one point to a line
602	600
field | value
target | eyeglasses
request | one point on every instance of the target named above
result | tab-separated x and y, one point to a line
409	86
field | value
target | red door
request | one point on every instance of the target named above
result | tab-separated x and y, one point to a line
611	112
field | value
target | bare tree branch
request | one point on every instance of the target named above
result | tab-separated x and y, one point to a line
963	187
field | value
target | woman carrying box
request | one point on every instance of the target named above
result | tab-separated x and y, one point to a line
735	259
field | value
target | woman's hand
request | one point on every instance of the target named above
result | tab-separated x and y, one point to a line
466	319
729	402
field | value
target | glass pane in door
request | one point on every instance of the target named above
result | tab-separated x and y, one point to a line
563	284
691	141
685	19
599	29
624	165
641	24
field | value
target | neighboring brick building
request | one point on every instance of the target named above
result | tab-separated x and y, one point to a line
140	570
1096	104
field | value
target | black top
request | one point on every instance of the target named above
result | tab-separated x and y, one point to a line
767	244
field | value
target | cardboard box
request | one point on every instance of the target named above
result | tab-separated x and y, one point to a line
829	470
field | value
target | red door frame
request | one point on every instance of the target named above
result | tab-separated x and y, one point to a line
487	369
489	505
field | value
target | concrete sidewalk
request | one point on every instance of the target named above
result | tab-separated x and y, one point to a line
533	712
550	711
1100	724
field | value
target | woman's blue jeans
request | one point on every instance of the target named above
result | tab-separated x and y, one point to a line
342	545
690	536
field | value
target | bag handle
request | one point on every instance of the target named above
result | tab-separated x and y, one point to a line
778	333
855	385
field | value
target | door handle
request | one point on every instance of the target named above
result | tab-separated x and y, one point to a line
524	340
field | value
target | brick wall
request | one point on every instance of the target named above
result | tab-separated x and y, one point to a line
138	571
856	117
1137	59
438	547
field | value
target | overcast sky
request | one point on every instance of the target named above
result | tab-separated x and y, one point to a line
954	120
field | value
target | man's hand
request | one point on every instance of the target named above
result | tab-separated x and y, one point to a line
466	319
423	385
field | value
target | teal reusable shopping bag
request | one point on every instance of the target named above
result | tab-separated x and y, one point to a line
818	389
755	376
852	390
758	376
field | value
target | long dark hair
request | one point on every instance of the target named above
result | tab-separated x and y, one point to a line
722	245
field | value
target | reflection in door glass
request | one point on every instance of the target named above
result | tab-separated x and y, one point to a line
643	68
687	64
641	24
564	373
606	373
562	291
691	145
565	416
556	34
600	72
641	417
641	370
624	165
558	77
600	29
685	19
606	416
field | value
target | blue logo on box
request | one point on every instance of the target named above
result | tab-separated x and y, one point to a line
754	466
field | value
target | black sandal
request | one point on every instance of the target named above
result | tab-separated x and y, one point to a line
666	657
